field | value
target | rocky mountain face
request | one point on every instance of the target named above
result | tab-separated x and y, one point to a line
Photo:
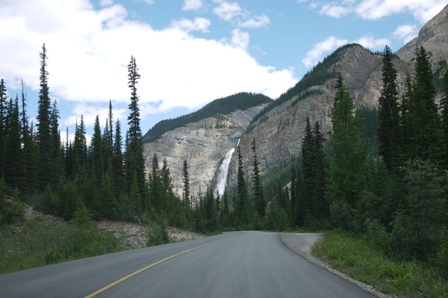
279	132
203	144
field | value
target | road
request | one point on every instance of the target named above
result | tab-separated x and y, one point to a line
236	264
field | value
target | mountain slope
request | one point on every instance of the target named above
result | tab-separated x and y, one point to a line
202	138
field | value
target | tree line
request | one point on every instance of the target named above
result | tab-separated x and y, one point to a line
106	177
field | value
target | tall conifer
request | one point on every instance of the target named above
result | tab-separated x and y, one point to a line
388	114
44	147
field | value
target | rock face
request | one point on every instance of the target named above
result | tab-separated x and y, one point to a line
433	36
279	133
202	145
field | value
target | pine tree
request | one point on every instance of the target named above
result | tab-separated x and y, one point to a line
29	149
135	162
97	167
45	165
3	111
388	114
257	186
242	207
56	146
15	165
320	204
167	202
186	186
444	116
80	151
424	122
117	161
347	177
155	191
308	168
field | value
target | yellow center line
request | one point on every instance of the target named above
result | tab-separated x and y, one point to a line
147	267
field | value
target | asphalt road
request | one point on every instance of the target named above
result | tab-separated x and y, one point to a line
237	264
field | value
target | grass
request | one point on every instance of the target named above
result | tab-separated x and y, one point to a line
362	261
46	240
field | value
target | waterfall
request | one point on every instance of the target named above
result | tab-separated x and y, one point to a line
223	170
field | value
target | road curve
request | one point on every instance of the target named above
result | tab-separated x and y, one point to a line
237	264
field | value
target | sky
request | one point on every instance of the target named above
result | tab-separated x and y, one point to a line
189	52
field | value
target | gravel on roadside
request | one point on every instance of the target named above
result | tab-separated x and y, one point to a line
301	243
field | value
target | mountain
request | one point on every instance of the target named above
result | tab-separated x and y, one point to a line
278	126
202	138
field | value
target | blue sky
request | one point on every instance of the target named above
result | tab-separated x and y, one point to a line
189	52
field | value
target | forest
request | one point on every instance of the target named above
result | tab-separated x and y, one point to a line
381	173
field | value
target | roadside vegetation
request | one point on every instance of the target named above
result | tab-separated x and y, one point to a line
362	259
46	239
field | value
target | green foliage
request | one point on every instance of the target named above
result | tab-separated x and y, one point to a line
11	209
157	235
417	226
388	114
358	258
222	106
276	218
47	240
348	156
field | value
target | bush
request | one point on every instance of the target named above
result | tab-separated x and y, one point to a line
158	235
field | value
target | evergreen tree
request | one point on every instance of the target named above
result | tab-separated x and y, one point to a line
15	165
108	142
56	146
97	167
308	168
80	151
388	114
242	207
135	162
117	162
186	186
45	164
29	150
225	212
347	177
257	186
444	116
3	112
293	193
424	122
155	191
167	202
320	204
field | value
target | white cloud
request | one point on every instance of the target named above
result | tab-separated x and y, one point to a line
89	112
240	39
149	2
256	22
371	43
406	33
422	10
87	61
335	11
228	10
192	5
199	24
106	2
317	52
